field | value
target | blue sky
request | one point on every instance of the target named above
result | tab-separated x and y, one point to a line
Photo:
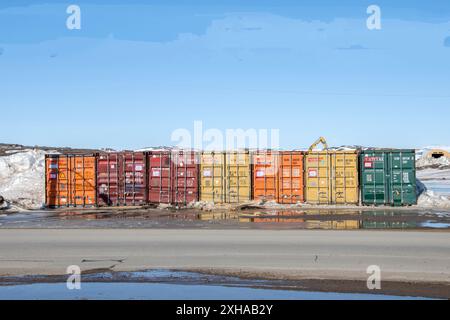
138	70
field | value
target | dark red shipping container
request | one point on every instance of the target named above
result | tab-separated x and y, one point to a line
122	179
173	177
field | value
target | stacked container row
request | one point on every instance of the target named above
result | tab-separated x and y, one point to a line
381	176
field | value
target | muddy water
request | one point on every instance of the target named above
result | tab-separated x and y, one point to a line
167	285
329	219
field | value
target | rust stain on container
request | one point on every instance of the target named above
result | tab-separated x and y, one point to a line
173	177
70	180
122	178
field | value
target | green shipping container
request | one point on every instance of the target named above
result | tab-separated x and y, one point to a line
388	177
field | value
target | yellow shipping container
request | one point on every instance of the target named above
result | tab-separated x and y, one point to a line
331	177
225	177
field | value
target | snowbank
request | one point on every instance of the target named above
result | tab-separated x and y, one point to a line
429	199
426	162
22	178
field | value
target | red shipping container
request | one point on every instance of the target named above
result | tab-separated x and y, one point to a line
122	179
173	177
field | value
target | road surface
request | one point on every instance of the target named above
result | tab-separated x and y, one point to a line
288	254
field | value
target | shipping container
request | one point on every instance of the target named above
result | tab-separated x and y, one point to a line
70	180
225	177
388	177
331	177
121	179
291	177
265	175
173	177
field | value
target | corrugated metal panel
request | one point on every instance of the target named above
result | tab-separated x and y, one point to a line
70	180
388	177
291	181
332	177
173	177
225	177
122	179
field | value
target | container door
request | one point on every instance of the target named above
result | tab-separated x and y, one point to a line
57	181
185	177
212	175
345	178
135	177
403	182
318	178
83	177
238	177
375	178
108	179
291	188
160	175
265	173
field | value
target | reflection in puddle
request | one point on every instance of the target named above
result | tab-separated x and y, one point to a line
168	285
326	219
361	220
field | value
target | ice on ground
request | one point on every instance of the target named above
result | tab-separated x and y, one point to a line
434	174
22	179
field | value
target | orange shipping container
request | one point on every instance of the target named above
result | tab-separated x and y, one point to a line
70	180
278	176
291	185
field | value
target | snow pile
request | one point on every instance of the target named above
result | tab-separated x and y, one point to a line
22	178
429	199
428	162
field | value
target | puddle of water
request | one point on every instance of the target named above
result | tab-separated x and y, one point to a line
162	291
326	219
435	225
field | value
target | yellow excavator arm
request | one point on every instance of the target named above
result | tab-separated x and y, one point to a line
321	140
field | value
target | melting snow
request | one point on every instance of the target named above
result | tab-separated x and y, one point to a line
22	178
